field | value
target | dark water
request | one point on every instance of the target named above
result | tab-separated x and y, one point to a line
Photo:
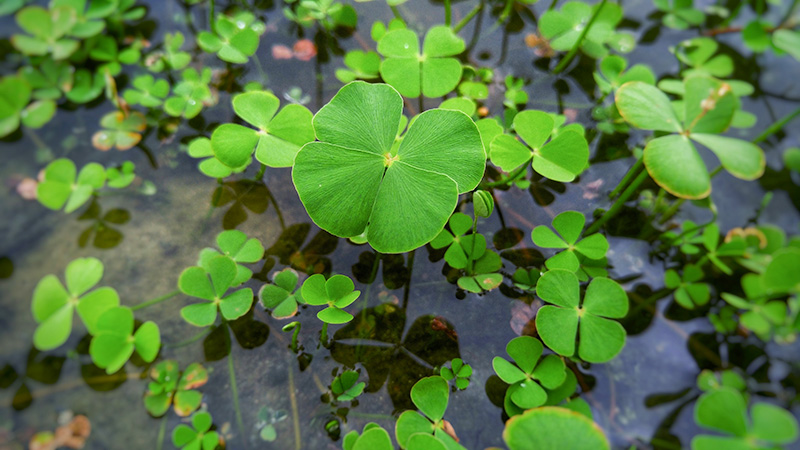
165	232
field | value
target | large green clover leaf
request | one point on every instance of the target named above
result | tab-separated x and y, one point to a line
53	305
430	395
200	147
353	180
433	72
569	225
62	185
559	324
552	427
561	159
195	282
672	160
277	138
114	340
47	29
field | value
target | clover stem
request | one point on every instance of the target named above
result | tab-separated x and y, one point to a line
474	232
162	431
511	176
619	203
191	340
775	127
574	50
396	13
155	300
211	23
447	13
677	205
260	175
463	22
235	392
632	172
298	444
408	283
323	335
296	327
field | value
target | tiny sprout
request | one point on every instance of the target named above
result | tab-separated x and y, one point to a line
483	202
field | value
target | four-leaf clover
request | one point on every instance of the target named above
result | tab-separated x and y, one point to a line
569	225
198	436
281	296
337	293
531	375
114	340
210	284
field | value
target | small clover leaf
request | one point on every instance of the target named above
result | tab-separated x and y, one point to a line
345	386
373	437
190	94
211	285
236	245
689	291
114	340
433	72
15	93
680	14
120	130
353	180
526	279
765	317
698	53
86	86
122	176
569	225
781	274
561	159
337	293
564	27
47	29
709	381
63	186
458	371
461	249
281	296
361	66
236	37
89	15
530	376
276	140
53	305
172	57
168	388
211	166
106	51
482	275
430	395
148	91
559	324
614	72
735	247
198	436
49	80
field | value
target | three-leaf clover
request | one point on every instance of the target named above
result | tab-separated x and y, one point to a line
345	386
240	248
190	94
458	371
354	180
48	30
106	51
148	91
672	160
433	72
430	395
689	291
62	185
526	279
762	315
725	410
53	305
482	276
530	376
236	37
337	293
210	284
198	436
172	57
120	130
569	225
168	388
564	27
86	86
15	93
122	176
559	324
561	159
114	340
276	139
714	250
281	296
200	147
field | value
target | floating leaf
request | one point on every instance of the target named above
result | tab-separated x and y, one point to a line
281	296
236	37
553	427
119	130
114	340
211	285
61	186
337	293
530	376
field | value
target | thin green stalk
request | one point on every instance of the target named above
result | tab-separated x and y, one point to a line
211	15
574	50
410	272
463	22
447	13
472	250
632	172
396	13
155	300
511	176
191	340
298	443
162	431
619	203
775	127
323	335
295	327
235	393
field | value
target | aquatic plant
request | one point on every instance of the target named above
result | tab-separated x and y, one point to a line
197	437
430	395
237	246
530	376
233	38
458	371
337	293
211	282
170	387
542	428
120	130
346	387
680	14
190	94
564	28
114	339
281	296
147	91
689	290
569	225
15	109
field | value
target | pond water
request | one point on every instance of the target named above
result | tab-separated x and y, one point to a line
413	317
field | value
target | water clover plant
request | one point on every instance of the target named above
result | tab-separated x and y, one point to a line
553	427
346	386
672	160
276	139
16	109
281	296
53	305
559	323
169	387
699	55
171	57
430	395
237	246
114	339
614	72
530	376
197	437
690	291
725	410
122	176
200	147
190	94
458	371
63	185
564	27
433	72
561	159
48	30
211	283
481	275
569	225
147	91
680	14
361	65
354	181
49	80
120	130
373	437
106	51
235	38
461	250
762	315
337	293
267	418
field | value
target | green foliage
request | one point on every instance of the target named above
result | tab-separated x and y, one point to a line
276	139
433	72
526	279
483	203
267	418
698	54
563	28
169	387
724	410
373	437
105	50
672	160
361	65
530	376
569	225
47	31
235	245
235	37
458	371
120	130
210	166
430	395
53	305
328	13
62	185
171	57
552	428
210	282
336	293
614	72
709	381
114	339
197	437
680	14
346	387
49	80
481	274
147	91
462	248
122	176
561	159
190	94
86	86
788	41
281	296
16	109
716	250
355	176
689	290
781	274
601	339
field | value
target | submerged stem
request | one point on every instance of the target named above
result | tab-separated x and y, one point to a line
155	300
632	172
162	431
574	50
235	392
777	126
463	22
619	203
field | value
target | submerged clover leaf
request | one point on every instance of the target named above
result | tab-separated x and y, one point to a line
433	72
195	282
167	388
725	410
561	159
53	305
281	296
62	185
211	166
345	386
114	340
15	93
672	160
530	376
337	293
236	245
47	28
198	436
119	130
564	27
277	138
569	225
353	181
236	37
559	324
